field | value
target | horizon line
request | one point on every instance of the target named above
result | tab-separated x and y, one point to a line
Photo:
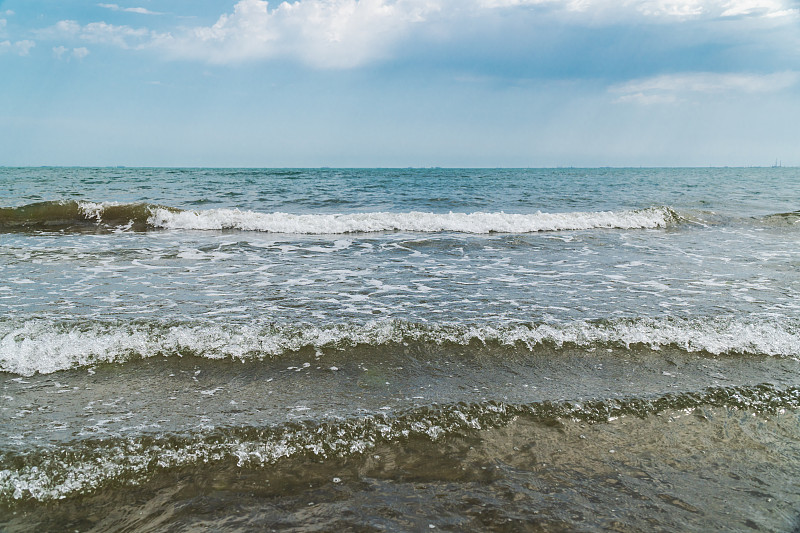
427	167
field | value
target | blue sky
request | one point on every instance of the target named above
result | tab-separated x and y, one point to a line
400	82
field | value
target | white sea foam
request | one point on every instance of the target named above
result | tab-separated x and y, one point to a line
40	346
219	219
94	210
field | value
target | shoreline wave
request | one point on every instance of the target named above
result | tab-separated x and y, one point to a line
89	465
143	216
43	346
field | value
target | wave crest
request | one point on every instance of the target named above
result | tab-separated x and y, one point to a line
48	475
142	216
42	346
221	219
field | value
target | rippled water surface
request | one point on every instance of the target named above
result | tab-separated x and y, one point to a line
580	349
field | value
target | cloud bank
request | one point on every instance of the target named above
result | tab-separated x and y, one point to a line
671	88
326	34
341	34
682	9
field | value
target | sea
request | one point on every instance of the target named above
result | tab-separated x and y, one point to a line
608	349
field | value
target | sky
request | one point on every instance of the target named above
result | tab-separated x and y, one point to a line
397	83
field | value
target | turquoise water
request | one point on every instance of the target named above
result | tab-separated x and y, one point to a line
535	349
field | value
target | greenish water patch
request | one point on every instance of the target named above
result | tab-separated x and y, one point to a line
641	465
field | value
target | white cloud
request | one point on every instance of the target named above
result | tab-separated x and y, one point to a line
21	48
766	8
323	33
674	8
140	10
672	88
350	33
669	9
515	3
61	52
100	33
648	99
64	27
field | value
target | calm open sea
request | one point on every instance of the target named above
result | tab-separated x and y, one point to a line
334	349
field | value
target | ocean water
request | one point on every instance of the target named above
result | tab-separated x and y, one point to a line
403	350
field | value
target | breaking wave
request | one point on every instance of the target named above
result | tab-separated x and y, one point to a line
42	346
49	475
142	216
218	219
71	214
790	219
